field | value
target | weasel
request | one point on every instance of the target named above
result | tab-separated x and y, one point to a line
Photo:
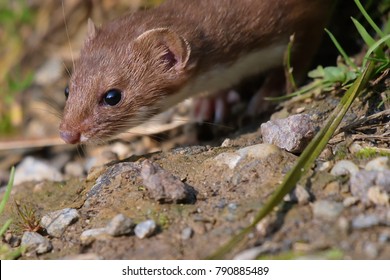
143	63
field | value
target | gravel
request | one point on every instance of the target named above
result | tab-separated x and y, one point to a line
145	229
56	222
120	225
36	242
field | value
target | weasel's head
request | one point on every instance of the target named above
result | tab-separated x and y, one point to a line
119	82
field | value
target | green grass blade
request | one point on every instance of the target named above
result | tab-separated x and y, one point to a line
376	46
305	161
5	227
341	50
369	20
8	190
367	38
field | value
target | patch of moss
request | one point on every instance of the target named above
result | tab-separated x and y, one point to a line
367	153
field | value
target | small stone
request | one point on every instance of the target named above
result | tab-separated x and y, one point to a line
226	143
145	229
365	221
344	225
120	225
299	194
327	210
378	195
74	169
350	201
187	233
229	159
259	151
56	222
332	188
90	235
371	250
36	242
292	133
164	186
32	169
324	166
86	256
249	254
344	167
384	237
11	239
363	180
355	147
378	164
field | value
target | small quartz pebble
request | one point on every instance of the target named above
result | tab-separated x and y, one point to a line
259	151
120	225
74	169
36	242
89	235
327	210
350	201
32	169
365	221
56	222
145	229
344	167
378	164
164	186
292	133
187	233
363	180
378	195
299	194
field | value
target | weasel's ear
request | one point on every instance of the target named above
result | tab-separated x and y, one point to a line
91	30
175	50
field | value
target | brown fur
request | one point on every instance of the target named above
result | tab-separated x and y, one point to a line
199	34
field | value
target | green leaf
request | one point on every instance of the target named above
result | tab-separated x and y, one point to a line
341	51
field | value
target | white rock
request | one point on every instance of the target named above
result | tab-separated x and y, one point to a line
344	167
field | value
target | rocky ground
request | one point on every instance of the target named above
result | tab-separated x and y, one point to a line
168	195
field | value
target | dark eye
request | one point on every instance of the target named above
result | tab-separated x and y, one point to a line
66	91
112	97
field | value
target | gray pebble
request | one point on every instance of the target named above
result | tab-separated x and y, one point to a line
378	195
50	72
90	235
371	250
327	210
350	201
299	194
163	186
344	167
378	164
145	229
32	169
56	222
120	225
292	133
364	179
187	233
74	169
365	221
36	242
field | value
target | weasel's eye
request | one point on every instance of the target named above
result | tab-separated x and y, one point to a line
112	97
66	91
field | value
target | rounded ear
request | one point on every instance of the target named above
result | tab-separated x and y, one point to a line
91	30
177	50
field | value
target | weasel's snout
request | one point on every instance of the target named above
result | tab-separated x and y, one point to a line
70	137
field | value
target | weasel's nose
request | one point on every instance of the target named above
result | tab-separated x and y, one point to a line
70	137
